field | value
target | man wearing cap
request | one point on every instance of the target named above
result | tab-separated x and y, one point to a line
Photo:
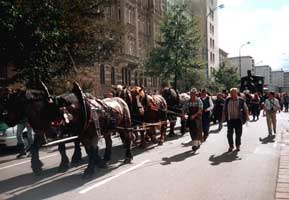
236	113
207	108
194	109
271	107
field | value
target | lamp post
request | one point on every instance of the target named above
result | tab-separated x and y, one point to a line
240	60
221	6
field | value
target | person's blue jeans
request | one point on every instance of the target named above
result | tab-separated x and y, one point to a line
19	132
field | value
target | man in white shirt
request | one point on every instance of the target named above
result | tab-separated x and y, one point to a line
271	107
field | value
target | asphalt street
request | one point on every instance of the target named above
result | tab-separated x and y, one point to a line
166	172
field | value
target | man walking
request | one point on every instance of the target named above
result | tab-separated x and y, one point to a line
207	108
194	109
20	140
218	110
271	107
236	113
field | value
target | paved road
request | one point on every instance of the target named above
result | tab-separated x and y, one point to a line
167	172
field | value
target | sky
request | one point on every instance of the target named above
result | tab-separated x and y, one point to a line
264	23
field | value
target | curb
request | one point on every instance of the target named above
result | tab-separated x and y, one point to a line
282	187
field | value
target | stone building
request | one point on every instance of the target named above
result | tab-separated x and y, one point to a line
142	19
206	13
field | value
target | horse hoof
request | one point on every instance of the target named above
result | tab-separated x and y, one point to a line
37	171
161	142
102	165
127	161
63	168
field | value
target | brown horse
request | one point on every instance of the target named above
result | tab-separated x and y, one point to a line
152	110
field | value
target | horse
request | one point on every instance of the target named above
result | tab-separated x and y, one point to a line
68	112
150	110
35	107
175	103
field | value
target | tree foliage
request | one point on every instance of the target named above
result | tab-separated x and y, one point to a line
227	77
178	51
47	38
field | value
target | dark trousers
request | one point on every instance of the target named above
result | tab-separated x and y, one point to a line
234	125
206	123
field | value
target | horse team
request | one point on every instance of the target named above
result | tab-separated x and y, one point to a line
129	112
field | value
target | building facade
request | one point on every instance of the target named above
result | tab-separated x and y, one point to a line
278	79
286	82
142	19
243	64
206	13
223	57
266	72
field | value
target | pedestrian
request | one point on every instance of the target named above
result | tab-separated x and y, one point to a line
236	113
20	140
194	109
278	97
218	109
271	107
208	106
255	106
286	101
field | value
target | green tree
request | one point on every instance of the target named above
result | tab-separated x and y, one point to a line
178	51
48	38
227	77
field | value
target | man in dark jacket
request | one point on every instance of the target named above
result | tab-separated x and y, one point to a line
218	109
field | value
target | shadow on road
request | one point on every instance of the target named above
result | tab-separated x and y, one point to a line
224	158
177	158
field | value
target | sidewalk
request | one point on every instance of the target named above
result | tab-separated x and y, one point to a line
282	189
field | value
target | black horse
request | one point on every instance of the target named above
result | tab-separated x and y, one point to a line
69	112
175	102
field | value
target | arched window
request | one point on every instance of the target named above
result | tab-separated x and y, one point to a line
112	76
102	74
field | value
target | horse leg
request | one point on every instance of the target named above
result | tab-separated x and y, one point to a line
143	139
64	159
172	127
163	133
108	147
153	134
76	158
36	164
91	149
128	155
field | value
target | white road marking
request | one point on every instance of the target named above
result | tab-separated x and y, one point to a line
111	178
27	161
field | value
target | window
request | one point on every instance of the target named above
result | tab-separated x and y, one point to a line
123	75
128	77
136	78
119	14
102	74
112	76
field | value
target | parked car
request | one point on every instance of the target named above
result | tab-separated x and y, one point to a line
8	135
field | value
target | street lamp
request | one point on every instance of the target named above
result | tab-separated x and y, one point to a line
240	60
217	7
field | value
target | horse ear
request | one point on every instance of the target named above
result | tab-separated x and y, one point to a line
45	89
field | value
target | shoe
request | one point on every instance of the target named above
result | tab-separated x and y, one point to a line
230	149
195	148
238	148
274	131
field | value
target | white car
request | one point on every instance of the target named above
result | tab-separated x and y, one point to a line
8	137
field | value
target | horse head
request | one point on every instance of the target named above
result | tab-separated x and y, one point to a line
171	96
138	96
